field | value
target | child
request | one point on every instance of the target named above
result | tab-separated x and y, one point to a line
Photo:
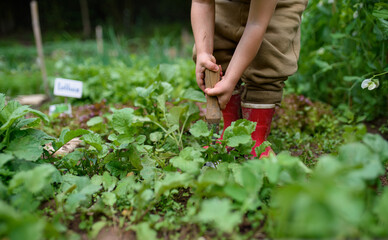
256	42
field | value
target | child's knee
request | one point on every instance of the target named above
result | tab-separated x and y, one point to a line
263	90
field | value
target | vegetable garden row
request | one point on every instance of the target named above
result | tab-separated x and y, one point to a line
138	172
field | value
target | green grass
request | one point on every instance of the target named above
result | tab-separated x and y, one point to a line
20	72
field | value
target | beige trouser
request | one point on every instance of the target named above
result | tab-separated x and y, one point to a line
279	52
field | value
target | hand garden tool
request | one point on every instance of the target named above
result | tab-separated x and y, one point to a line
213	112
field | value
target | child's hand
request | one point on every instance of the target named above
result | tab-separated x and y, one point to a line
223	90
204	61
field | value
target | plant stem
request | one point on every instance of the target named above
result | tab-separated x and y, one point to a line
172	135
376	75
181	133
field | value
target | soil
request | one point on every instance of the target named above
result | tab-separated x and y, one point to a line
182	196
114	233
375	125
384	179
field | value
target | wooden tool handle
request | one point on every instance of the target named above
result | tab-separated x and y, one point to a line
213	112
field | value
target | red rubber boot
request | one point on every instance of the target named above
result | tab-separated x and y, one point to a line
263	118
232	112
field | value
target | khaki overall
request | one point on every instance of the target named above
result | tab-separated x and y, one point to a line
279	52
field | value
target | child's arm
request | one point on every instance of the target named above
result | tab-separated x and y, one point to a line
202	21
260	14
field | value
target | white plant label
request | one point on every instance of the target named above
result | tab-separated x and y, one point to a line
68	88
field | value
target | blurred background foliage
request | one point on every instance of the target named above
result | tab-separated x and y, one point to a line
66	16
343	43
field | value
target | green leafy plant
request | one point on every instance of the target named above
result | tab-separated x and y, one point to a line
17	139
344	42
338	198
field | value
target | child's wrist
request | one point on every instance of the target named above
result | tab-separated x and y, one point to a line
231	80
203	53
